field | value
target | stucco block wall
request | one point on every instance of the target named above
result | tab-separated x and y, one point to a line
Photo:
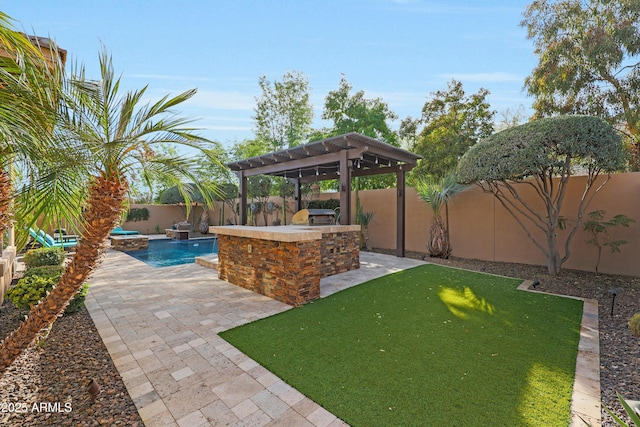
480	228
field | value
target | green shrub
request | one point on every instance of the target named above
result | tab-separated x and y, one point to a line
324	204
35	284
138	214
47	271
78	301
29	291
44	256
634	325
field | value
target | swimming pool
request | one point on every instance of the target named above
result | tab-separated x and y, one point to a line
167	252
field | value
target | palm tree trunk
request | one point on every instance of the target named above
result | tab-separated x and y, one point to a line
438	246
105	208
5	201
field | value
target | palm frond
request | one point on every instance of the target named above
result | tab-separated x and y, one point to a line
437	192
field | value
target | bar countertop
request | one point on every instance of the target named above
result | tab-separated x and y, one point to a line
282	233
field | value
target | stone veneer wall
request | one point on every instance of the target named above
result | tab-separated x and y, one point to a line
129	243
340	252
285	271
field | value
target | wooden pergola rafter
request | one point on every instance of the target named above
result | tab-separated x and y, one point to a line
341	157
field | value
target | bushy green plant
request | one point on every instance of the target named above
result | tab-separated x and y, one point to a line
44	256
324	204
35	284
29	291
138	214
47	271
78	301
634	325
599	229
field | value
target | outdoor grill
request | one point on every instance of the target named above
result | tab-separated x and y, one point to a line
322	217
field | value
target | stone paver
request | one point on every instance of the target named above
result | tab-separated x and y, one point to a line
161	325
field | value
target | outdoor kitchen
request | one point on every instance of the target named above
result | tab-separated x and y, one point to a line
287	262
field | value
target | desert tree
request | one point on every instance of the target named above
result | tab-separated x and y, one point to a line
541	156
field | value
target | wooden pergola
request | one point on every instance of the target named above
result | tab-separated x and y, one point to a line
341	157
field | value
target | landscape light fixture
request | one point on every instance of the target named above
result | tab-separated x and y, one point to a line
613	292
93	388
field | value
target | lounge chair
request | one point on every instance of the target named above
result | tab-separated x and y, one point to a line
118	231
49	242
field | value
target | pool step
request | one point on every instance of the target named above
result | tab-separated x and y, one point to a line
210	261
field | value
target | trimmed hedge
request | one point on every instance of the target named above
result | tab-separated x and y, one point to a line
324	204
44	256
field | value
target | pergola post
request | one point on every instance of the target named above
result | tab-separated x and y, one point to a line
400	209
345	189
242	194
297	194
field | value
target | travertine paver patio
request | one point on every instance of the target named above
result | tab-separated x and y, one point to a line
160	326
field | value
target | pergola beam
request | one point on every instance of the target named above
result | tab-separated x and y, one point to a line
304	163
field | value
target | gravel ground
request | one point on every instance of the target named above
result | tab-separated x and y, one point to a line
55	378
59	372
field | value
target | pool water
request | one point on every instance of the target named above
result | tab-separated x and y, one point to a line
165	252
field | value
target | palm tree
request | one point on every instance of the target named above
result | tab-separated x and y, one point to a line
29	95
115	134
437	193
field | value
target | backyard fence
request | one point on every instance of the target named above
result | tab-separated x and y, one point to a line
480	228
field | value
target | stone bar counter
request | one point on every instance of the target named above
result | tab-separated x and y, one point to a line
286	262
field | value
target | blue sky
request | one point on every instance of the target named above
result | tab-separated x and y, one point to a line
399	50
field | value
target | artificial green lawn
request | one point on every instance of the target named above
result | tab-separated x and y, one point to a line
427	346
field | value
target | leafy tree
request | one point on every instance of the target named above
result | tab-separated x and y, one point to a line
284	112
354	113
110	131
587	61
451	122
249	148
510	118
437	193
228	194
541	155
259	188
186	196
211	166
